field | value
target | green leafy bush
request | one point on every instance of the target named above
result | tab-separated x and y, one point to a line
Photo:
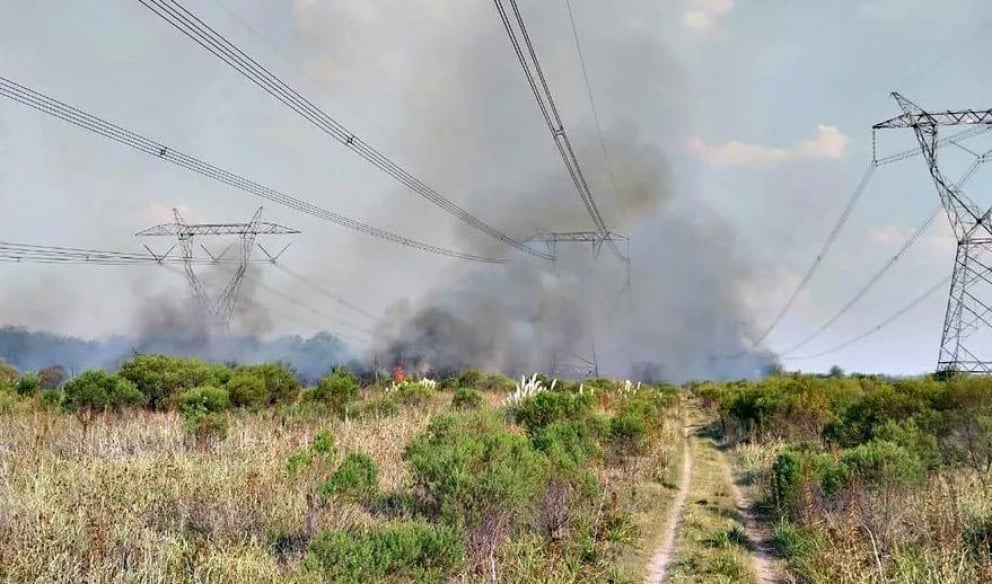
51	399
28	384
409	551
628	432
357	478
548	407
266	384
204	399
787	480
98	390
412	393
377	407
471	471
204	411
337	390
882	465
160	377
466	398
322	450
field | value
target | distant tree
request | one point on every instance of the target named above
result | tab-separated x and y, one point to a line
52	377
836	372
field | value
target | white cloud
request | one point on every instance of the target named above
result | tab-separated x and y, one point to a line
828	143
701	15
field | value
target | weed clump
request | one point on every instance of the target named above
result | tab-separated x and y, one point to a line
356	479
204	411
466	398
411	551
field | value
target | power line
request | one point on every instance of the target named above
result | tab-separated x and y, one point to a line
592	101
219	46
908	243
291	300
827	244
895	316
546	103
55	108
328	292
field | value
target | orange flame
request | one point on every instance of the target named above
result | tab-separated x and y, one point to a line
399	374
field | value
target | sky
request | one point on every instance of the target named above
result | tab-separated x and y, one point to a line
761	109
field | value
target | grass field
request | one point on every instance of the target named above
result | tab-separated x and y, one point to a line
138	495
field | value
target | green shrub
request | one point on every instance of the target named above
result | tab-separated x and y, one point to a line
98	390
160	377
247	390
266	384
881	465
470	378
28	384
472	471
377	407
787	477
408	551
51	399
204	399
466	398
357	478
413	393
204	411
337	390
322	449
628	429
548	407
909	435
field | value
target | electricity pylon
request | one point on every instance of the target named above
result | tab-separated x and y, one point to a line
566	363
220	309
966	340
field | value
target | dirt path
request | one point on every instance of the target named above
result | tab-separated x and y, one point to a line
666	552
767	569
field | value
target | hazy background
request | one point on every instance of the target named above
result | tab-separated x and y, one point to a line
737	131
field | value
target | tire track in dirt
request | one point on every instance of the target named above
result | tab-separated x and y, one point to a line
663	556
767	569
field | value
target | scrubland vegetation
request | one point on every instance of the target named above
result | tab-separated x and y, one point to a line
177	470
864	478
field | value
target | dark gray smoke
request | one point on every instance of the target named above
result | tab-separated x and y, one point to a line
685	318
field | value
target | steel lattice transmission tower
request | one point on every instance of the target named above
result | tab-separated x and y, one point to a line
966	341
564	363
218	310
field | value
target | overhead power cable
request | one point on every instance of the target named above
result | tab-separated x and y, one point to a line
545	100
33	253
190	25
327	292
895	316
908	243
50	106
291	300
827	244
592	100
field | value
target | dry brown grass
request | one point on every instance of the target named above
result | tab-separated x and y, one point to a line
133	500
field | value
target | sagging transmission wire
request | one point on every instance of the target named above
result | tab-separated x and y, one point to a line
327	292
193	27
12	252
842	220
546	103
291	300
895	316
77	117
908	243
